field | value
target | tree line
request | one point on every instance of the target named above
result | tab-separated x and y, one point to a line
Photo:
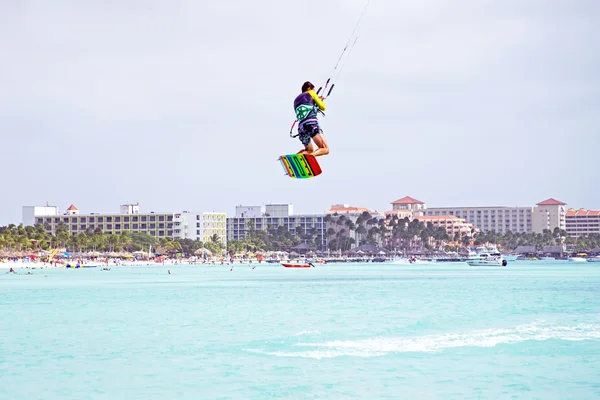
342	234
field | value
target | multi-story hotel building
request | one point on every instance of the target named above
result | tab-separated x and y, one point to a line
498	219
196	226
582	222
453	225
272	216
200	226
547	214
407	207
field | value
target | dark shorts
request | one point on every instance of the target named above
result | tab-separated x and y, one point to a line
308	131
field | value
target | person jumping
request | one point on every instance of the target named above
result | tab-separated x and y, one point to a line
306	106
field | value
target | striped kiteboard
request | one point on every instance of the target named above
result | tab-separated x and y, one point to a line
300	166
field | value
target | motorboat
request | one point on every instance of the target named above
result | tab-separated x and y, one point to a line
579	257
482	252
595	259
298	265
487	260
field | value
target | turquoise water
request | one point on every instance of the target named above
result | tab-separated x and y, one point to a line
530	330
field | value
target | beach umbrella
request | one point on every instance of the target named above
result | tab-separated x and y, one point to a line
202	251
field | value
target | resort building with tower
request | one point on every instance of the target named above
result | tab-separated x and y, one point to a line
547	214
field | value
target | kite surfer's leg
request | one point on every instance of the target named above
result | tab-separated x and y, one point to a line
308	149
305	140
323	148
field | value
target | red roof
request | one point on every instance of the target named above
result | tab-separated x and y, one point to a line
582	212
551	202
347	210
407	200
72	208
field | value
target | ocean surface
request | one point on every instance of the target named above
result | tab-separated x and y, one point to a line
339	331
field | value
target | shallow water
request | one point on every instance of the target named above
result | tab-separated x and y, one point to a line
530	330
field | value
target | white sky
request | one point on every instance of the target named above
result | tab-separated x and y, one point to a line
185	105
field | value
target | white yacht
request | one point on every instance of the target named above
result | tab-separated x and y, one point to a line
578	257
483	253
487	259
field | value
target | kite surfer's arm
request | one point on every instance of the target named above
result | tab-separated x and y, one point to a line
320	103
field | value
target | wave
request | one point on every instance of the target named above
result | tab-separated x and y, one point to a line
435	343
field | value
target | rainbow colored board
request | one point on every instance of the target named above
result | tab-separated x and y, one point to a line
300	166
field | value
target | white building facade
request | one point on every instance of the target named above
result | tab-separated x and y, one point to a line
273	216
582	222
196	226
29	213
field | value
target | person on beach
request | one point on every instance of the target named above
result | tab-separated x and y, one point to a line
307	105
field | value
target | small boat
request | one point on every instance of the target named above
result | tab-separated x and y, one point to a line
288	265
595	259
579	257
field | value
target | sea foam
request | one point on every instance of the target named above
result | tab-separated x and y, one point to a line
380	346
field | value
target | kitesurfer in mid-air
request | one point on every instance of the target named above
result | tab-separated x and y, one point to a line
307	105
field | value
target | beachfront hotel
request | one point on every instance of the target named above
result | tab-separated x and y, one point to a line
411	208
547	214
271	216
582	222
185	225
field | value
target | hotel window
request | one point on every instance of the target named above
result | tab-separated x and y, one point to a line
126	226
169	218
152	226
135	226
144	226
161	217
170	225
48	220
66	220
161	226
134	219
125	219
56	220
117	219
73	227
117	226
161	233
109	226
100	219
101	226
152	218
109	219
169	233
144	218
